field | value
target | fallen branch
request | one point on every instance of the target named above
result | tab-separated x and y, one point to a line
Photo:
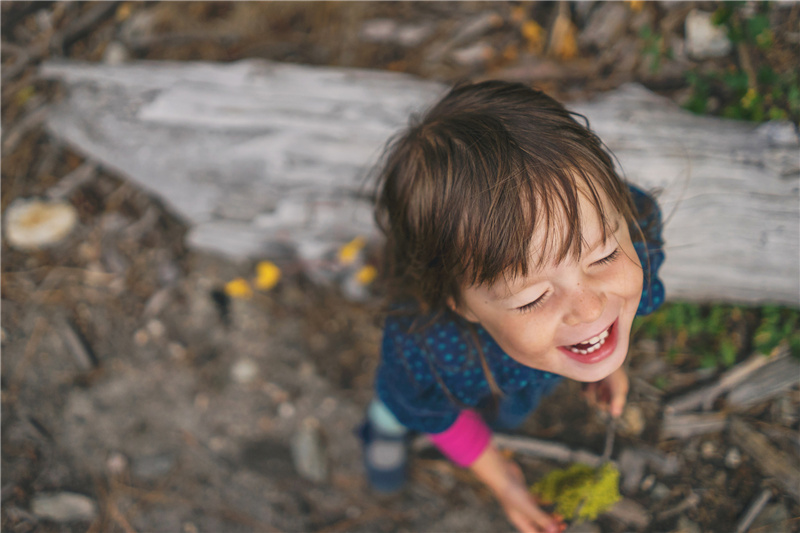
630	513
752	512
772	380
81	175
705	396
771	461
690	502
691	425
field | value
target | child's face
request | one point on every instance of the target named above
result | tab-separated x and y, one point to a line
572	318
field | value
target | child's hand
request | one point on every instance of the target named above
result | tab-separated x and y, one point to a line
520	506
609	394
508	485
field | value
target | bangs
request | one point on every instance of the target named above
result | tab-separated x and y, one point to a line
531	216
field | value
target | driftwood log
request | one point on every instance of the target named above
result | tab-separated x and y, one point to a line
262	158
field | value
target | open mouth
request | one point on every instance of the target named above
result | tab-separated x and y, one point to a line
591	345
595	349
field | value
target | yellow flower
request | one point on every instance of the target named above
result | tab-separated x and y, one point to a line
748	98
267	275
534	35
349	252
239	288
635	5
366	275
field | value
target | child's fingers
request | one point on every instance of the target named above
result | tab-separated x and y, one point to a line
534	520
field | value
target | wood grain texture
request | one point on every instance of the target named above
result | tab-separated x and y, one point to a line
262	159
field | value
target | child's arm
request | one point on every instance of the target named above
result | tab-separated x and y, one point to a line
505	479
468	444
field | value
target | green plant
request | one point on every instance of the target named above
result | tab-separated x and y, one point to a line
654	48
717	336
580	492
767	92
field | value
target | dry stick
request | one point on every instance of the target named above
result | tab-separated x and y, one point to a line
691	425
771	461
66	185
690	502
39	327
118	517
60	39
752	512
705	397
28	123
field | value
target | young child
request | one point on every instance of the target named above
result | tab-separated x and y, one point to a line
514	255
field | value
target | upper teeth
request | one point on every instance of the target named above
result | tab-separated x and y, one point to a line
596	342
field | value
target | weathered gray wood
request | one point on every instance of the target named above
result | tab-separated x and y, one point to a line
770	381
704	397
691	425
259	157
771	461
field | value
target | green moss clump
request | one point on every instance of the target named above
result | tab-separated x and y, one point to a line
580	492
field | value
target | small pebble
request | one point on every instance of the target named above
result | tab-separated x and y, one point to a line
660	492
202	401
648	482
687	526
156	328
308	452
244	371
286	410
63	507
115	54
708	450
216	444
117	463
733	458
141	337
152	467
177	351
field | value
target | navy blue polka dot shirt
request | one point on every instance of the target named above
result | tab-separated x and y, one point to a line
430	369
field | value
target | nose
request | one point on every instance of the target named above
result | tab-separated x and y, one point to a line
586	305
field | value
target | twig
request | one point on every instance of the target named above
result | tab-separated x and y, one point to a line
82	25
29	122
747	65
690	425
118	517
690	502
72	181
752	511
39	328
771	461
705	397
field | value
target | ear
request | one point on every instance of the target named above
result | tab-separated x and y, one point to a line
463	311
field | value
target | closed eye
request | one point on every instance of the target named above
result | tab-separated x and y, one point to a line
609	258
534	304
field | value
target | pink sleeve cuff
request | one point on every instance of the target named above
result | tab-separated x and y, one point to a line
465	440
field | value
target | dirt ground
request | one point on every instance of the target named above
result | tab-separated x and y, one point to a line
129	376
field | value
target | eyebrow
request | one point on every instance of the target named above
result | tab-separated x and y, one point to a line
505	295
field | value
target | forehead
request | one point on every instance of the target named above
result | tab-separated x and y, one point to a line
596	222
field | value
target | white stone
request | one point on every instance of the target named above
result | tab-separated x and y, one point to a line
115	53
704	40
64	507
733	458
244	371
31	224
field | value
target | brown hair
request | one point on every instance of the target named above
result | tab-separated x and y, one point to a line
462	191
